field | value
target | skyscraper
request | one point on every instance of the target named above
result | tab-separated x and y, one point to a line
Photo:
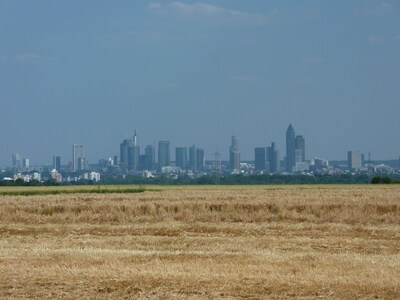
354	160
295	149
181	157
78	157
234	155
200	159
56	162
272	159
129	156
17	161
260	159
150	157
163	154
290	148
124	146
133	157
193	158
300	146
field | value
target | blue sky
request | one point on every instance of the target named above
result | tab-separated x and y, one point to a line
197	72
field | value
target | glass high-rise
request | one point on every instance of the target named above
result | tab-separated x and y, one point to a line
200	158
300	146
78	157
290	148
295	149
163	154
181	157
56	162
260	159
150	157
273	159
234	155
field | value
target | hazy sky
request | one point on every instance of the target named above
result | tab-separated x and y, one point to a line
196	72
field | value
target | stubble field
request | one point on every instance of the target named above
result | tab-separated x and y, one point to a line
203	243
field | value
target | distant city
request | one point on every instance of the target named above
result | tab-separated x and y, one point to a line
192	162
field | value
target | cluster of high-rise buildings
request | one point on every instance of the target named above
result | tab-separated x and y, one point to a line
132	160
191	160
266	159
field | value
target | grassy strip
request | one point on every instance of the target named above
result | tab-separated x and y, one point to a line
32	192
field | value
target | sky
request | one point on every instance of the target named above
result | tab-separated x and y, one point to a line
198	72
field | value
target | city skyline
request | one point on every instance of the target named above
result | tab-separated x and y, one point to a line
198	72
131	158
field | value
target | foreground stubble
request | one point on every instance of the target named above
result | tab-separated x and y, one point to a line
203	243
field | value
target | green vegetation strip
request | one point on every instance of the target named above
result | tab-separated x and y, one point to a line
33	192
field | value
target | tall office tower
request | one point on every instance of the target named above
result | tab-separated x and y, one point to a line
150	157
133	157
260	159
234	155
142	162
200	158
298	155
17	161
123	148
354	160
300	146
78	157
124	152
272	159
290	148
56	162
193	158
163	154
217	167
181	157
25	164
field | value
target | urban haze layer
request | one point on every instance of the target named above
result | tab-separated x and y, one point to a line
197	72
191	162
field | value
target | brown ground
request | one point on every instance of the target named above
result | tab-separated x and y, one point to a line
199	243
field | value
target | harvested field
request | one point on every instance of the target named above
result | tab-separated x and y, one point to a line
203	243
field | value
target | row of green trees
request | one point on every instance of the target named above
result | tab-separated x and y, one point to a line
384	180
228	180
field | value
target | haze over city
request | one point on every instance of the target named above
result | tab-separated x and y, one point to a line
198	72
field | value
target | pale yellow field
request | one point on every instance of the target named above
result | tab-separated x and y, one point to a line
203	243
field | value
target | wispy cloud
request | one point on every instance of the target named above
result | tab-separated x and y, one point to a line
202	9
374	39
170	86
246	79
27	58
312	60
376	10
154	6
197	8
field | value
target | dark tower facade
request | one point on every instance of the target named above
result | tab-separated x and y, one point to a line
300	149
193	158
272	159
150	157
234	155
57	162
290	148
163	154
260	159
200	159
181	157
129	154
